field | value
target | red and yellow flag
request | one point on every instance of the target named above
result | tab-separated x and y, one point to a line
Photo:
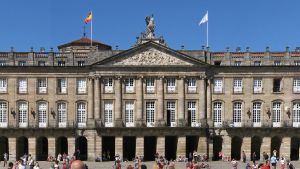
88	18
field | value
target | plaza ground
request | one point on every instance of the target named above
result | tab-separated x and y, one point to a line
149	164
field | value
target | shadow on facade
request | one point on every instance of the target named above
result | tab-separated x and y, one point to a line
81	144
129	144
22	147
149	148
170	147
62	146
236	144
108	148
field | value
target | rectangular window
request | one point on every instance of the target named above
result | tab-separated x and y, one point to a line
23	114
171	114
42	86
129	85
22	85
237	114
41	63
108	114
218	86
171	85
257	86
256	115
62	86
217	112
81	63
81	86
2	63
150	85
237	86
129	114
22	63
276	85
150	111
42	115
192	117
276	118
296	115
296	85
277	62
3	85
81	114
237	63
61	63
3	114
62	115
192	88
108	85
257	63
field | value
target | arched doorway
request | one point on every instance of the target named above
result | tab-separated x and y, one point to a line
22	147
170	147
217	147
275	145
108	148
42	149
255	146
236	144
191	144
295	148
3	147
81	145
149	148
129	144
62	146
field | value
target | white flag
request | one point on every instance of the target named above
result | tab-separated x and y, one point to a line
204	19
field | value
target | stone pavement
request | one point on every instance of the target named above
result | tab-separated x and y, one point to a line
179	165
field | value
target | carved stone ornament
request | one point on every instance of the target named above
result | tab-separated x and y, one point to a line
151	57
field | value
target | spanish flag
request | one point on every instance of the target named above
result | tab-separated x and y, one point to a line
88	18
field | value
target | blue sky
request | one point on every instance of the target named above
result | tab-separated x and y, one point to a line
232	23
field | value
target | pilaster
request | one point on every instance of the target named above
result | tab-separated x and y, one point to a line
181	147
266	145
119	146
202	145
160	102
118	102
139	101
285	148
181	91
97	99
139	146
98	145
91	149
71	145
12	144
90	99
226	146
51	146
246	147
32	147
160	147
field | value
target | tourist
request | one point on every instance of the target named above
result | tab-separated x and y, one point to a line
248	166
30	162
289	165
37	166
255	165
282	162
130	167
243	156
21	164
56	166
59	157
273	161
10	165
78	164
254	157
234	164
5	158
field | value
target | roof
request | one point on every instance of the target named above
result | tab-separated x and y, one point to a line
84	41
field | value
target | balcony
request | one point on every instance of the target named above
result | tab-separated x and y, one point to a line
218	89
108	89
237	90
257	89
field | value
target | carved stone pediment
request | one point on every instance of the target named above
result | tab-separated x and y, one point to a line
150	56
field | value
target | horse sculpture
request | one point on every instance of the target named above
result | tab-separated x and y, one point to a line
150	27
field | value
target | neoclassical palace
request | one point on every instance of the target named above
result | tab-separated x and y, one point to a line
147	99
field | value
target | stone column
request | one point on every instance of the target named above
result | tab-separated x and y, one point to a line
97	99
118	102
181	91
98	145
202	145
266	146
12	148
160	102
139	146
71	145
90	99
139	101
181	146
119	146
285	148
32	147
91	149
51	146
202	100
160	147
246	146
226	146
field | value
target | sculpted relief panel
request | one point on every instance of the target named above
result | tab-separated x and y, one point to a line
151	57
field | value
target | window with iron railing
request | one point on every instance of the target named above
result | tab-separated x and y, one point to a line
129	114
217	114
42	114
237	114
277	85
62	114
257	86
296	85
150	112
3	114
22	85
108	114
81	86
237	86
23	114
129	85
81	114
171	114
256	114
276	115
218	86
296	114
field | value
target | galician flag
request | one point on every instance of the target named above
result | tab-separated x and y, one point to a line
88	18
204	19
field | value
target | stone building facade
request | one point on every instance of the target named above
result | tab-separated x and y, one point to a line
147	99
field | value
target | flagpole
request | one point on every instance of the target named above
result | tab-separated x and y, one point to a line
92	29
207	31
